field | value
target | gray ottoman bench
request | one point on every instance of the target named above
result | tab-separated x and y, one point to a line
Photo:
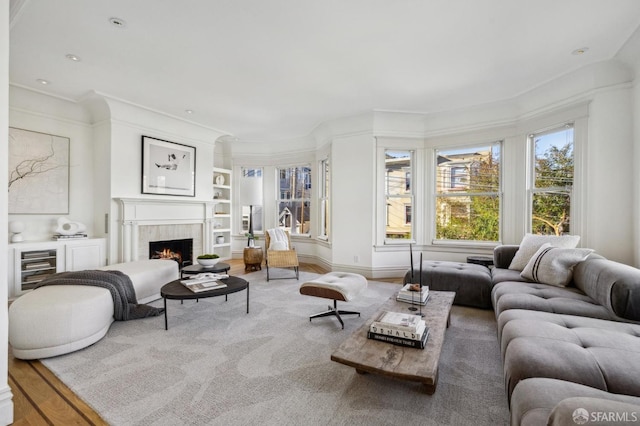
471	282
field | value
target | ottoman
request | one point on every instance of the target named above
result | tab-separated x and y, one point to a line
56	320
471	282
342	286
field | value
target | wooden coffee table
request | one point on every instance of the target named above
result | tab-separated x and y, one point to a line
176	291
418	365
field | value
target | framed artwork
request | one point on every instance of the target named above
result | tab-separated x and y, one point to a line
168	168
38	173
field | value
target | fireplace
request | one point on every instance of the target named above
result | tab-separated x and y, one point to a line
179	250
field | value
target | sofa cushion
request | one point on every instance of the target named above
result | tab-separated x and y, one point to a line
598	353
614	285
531	243
554	265
499	275
546	298
540	400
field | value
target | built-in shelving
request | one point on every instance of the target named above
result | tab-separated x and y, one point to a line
31	262
222	212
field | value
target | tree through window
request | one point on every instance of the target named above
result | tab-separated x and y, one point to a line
468	193
552	184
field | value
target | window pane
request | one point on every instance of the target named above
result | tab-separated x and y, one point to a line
398	172
474	218
397	225
553	182
256	219
468	189
251	195
294	216
550	213
295	183
474	169
554	159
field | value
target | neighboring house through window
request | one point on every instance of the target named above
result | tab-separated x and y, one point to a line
294	199
468	193
398	194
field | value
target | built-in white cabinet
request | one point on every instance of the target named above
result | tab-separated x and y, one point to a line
222	197
30	263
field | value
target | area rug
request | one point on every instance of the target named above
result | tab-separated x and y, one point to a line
217	365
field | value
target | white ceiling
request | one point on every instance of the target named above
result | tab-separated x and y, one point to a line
266	70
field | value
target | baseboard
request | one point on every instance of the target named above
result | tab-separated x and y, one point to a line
6	406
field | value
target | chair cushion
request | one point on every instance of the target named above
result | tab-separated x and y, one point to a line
335	285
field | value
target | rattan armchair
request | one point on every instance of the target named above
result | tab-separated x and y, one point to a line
281	258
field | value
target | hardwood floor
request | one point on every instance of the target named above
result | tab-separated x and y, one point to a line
41	399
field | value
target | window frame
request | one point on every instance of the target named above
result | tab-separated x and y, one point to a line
308	188
410	193
449	184
324	199
257	213
532	190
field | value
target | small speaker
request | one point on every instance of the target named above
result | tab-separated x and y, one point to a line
106	223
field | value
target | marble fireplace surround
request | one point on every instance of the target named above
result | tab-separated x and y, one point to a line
144	220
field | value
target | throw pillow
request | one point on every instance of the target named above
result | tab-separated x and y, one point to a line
278	239
531	243
553	265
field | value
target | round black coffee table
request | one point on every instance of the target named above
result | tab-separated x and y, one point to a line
197	269
175	290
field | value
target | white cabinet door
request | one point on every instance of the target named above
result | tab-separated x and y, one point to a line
85	254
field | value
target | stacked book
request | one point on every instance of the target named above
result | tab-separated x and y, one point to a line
70	237
400	329
411	293
205	282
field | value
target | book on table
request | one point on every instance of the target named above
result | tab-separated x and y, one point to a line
205	282
400	341
413	299
398	320
399	324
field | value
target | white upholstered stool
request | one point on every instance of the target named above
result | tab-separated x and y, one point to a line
342	286
59	319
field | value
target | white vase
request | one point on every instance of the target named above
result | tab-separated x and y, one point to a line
219	239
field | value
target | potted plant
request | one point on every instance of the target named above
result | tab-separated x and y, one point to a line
208	260
251	238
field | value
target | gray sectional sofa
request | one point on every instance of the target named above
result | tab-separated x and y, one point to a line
570	350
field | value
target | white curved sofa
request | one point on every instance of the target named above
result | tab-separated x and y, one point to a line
55	320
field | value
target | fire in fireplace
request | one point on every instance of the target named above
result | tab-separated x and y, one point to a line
179	250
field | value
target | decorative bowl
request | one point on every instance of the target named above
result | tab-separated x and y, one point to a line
208	263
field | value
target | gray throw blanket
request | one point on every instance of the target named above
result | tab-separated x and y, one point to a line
125	304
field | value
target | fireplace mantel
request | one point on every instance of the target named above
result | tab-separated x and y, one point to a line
136	212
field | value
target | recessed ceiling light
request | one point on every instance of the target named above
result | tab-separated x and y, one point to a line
188	111
580	51
118	23
43	82
72	57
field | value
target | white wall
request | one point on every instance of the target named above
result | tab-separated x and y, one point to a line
353	201
127	124
610	173
45	114
6	405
